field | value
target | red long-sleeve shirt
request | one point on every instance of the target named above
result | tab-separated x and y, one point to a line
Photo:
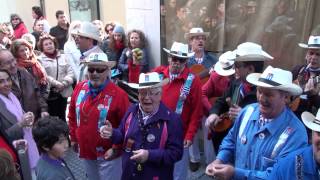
87	135
192	109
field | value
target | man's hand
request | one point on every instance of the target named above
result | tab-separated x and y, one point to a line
140	155
111	154
44	114
234	110
75	146
220	171
187	143
212	120
223	171
106	130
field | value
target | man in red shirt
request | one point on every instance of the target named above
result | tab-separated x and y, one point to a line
182	95
93	102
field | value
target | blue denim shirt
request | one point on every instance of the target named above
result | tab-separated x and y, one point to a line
208	60
251	153
286	167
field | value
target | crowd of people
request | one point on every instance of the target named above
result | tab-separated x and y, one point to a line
253	118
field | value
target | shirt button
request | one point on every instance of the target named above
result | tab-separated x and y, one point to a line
262	136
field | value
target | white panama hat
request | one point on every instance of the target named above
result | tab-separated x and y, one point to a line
149	80
179	50
197	31
313	43
88	30
225	65
250	51
275	78
311	121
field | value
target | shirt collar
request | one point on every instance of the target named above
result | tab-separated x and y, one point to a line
89	51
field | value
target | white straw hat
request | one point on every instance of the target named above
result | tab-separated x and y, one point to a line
89	30
275	78
313	43
250	51
311	121
179	50
197	31
225	65
149	80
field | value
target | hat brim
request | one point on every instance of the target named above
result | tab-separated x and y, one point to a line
292	89
160	84
253	57
88	36
222	72
110	64
305	46
190	35
189	55
308	119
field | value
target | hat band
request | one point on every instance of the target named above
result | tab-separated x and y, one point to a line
227	68
148	84
316	121
273	83
179	53
313	45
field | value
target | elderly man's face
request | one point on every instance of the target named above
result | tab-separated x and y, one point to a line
8	62
316	145
313	58
271	102
176	65
198	43
149	99
98	74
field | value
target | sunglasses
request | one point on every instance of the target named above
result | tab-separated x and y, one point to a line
98	70
176	59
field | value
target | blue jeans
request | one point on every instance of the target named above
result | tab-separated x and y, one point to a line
181	167
103	170
194	151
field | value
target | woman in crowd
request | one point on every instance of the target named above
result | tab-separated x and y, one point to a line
134	58
13	120
117	42
18	26
60	76
109	29
37	14
38	30
71	50
23	52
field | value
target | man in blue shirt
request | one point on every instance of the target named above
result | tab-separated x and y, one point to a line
263	131
304	163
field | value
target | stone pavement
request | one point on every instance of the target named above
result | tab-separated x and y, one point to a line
77	168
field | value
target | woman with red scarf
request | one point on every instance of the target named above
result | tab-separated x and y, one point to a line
60	76
115	44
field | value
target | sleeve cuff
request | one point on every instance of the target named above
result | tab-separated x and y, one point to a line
240	173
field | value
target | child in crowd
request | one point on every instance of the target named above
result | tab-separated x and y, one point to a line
50	134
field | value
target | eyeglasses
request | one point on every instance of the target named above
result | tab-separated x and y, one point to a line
145	93
98	70
176	59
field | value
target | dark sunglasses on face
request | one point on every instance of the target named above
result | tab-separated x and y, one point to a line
176	59
238	65
98	70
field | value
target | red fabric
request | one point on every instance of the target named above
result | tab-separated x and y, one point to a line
214	87
20	30
87	134
6	146
37	68
192	109
134	72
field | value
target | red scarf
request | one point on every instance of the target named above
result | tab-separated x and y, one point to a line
119	45
36	67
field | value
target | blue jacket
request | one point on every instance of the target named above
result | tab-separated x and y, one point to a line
254	152
160	163
208	60
287	167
